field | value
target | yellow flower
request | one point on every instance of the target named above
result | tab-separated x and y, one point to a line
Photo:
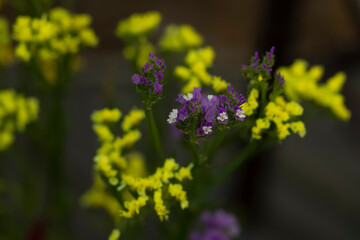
251	105
133	119
179	38
115	234
219	85
303	84
138	24
23	52
106	115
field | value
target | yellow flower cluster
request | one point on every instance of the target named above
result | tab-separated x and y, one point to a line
138	25
5	43
195	73
180	38
109	153
52	36
251	104
133	119
16	112
280	113
303	84
126	172
159	184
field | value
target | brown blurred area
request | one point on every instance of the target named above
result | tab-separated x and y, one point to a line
305	188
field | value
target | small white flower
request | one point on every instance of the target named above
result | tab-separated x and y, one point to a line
172	116
222	117
210	97
188	97
207	129
240	114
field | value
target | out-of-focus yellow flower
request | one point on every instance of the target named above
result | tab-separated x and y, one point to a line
133	119
251	105
219	85
179	38
16	112
54	36
195	73
303	84
138	25
115	234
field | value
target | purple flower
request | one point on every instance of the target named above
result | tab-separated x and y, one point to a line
183	113
280	78
205	129
222	115
238	97
158	75
152	57
181	98
135	79
157	87
197	95
147	67
243	66
256	59
223	99
271	53
222	221
214	234
239	114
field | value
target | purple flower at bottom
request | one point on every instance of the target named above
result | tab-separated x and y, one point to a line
205	129
221	220
147	67
183	113
214	234
196	95
157	87
239	114
135	79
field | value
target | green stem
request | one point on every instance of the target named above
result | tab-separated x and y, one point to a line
248	151
215	143
153	132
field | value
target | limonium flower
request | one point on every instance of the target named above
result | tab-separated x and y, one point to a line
49	37
219	225
195	73
303	84
138	25
16	112
200	114
180	38
149	82
124	171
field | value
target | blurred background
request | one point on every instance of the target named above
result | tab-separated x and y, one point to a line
304	188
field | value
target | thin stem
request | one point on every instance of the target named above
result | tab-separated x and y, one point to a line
215	143
153	132
248	151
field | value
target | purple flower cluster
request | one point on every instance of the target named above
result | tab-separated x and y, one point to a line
280	78
150	80
218	226
265	65
201	113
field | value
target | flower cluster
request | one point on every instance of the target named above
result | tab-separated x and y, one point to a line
259	69
195	74
219	225
166	181
53	36
138	25
280	113
115	234
126	172
303	84
6	51
180	38
149	82
16	111
201	114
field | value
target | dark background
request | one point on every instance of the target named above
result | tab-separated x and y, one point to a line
304	188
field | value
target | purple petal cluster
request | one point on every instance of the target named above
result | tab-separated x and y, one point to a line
280	78
219	225
203	112
151	77
266	65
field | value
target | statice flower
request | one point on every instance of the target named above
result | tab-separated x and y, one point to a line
150	80
219	225
200	114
